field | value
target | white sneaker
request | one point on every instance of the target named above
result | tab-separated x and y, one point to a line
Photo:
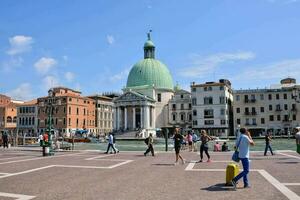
176	163
183	162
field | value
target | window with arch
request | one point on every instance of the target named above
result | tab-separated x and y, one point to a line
9	119
182	115
174	116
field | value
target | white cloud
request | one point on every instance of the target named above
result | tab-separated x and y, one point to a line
12	63
110	39
22	92
49	82
202	66
19	44
44	64
69	76
117	77
276	70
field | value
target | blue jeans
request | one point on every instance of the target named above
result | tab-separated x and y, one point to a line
268	146
244	173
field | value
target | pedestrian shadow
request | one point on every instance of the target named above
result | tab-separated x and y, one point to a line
217	188
269	158
292	162
140	155
163	164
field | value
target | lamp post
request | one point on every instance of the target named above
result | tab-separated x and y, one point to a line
50	130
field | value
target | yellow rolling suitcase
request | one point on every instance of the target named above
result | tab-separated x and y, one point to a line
232	170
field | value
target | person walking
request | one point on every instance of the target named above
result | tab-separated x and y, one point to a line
297	136
268	144
114	144
5	139
150	145
204	145
190	141
243	142
110	143
177	145
195	139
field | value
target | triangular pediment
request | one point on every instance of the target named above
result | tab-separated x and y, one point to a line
133	96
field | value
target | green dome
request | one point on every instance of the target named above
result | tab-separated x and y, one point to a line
150	72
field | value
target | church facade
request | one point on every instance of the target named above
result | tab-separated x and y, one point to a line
144	102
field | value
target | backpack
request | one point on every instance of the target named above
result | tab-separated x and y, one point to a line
146	140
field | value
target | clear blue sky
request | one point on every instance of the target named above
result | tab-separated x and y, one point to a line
91	45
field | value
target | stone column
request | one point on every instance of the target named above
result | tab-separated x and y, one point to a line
153	117
125	118
118	117
133	118
115	119
142	117
146	119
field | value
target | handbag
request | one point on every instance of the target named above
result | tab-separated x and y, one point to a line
235	156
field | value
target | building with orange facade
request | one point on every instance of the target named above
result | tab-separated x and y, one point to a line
8	113
72	113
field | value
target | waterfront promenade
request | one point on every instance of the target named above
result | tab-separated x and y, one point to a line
130	175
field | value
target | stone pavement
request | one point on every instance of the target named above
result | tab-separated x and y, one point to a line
129	175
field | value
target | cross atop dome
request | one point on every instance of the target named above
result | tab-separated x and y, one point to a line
149	47
148	34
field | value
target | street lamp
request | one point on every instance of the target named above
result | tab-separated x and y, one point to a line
50	130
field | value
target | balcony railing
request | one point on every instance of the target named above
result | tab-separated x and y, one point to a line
278	109
251	113
250	100
294	109
248	124
208	116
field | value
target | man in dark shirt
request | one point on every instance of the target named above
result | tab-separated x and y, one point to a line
268	145
177	145
5	139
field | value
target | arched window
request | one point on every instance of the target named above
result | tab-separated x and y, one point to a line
15	120
9	119
26	121
29	123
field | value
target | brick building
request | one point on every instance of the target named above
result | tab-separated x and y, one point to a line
72	112
8	113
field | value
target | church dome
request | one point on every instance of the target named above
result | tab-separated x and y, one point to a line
149	71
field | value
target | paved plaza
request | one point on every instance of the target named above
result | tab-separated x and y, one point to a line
129	175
